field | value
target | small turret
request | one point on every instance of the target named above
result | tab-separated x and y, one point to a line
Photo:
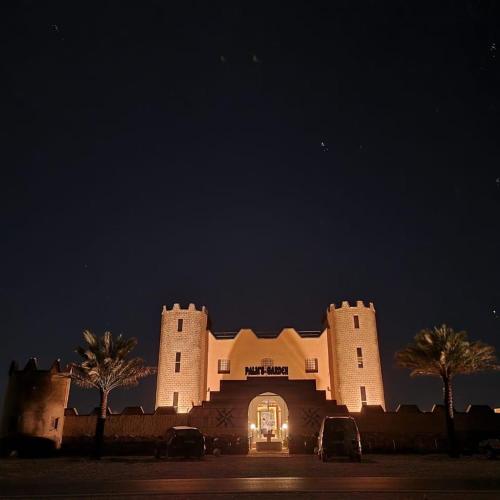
33	412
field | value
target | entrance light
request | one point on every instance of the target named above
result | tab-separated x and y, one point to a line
284	427
252	426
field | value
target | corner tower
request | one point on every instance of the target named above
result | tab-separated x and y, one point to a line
33	413
182	360
355	370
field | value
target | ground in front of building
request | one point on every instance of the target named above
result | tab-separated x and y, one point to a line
69	469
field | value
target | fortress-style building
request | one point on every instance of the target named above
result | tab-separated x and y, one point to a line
256	391
343	359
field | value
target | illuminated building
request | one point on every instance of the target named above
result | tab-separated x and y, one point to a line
342	361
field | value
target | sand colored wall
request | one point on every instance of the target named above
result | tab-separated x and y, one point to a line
407	429
288	349
344	339
191	342
143	426
35	401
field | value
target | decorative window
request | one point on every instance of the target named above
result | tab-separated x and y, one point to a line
177	362
359	353
54	423
363	395
180	323
356	321
176	400
311	365
223	366
267	362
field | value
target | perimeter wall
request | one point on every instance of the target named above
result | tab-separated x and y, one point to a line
405	430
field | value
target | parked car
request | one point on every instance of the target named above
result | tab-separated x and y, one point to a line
181	441
339	436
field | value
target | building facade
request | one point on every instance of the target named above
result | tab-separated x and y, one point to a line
342	360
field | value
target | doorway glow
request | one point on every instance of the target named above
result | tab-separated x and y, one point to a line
267	419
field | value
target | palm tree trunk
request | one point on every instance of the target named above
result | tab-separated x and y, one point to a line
450	417
99	428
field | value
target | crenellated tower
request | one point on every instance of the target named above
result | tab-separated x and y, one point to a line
355	373
182	361
33	412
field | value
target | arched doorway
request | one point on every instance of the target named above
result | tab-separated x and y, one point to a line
267	423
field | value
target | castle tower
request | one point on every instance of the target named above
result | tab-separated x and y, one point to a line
182	362
33	413
355	373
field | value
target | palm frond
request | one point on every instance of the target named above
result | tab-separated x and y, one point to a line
105	365
91	339
443	352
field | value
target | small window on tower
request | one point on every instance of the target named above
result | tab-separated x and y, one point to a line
356	321
363	395
54	423
312	365
267	362
359	352
224	366
177	362
180	324
175	403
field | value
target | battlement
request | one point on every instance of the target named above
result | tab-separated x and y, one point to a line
191	308
345	304
232	334
32	366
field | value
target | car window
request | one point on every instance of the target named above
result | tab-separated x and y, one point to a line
339	424
187	432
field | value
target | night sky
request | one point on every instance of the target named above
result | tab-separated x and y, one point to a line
264	160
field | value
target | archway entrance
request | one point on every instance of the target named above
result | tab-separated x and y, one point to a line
267	423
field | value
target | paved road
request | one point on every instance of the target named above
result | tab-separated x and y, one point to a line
453	488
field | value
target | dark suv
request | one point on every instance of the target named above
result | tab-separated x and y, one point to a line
181	441
339	436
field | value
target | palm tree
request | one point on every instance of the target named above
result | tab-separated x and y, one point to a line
105	367
444	353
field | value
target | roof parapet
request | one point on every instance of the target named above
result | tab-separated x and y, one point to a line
32	366
345	304
177	307
480	410
408	408
14	367
56	366
275	334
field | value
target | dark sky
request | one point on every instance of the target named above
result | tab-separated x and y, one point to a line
162	152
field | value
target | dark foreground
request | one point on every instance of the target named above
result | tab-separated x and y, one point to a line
276	476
